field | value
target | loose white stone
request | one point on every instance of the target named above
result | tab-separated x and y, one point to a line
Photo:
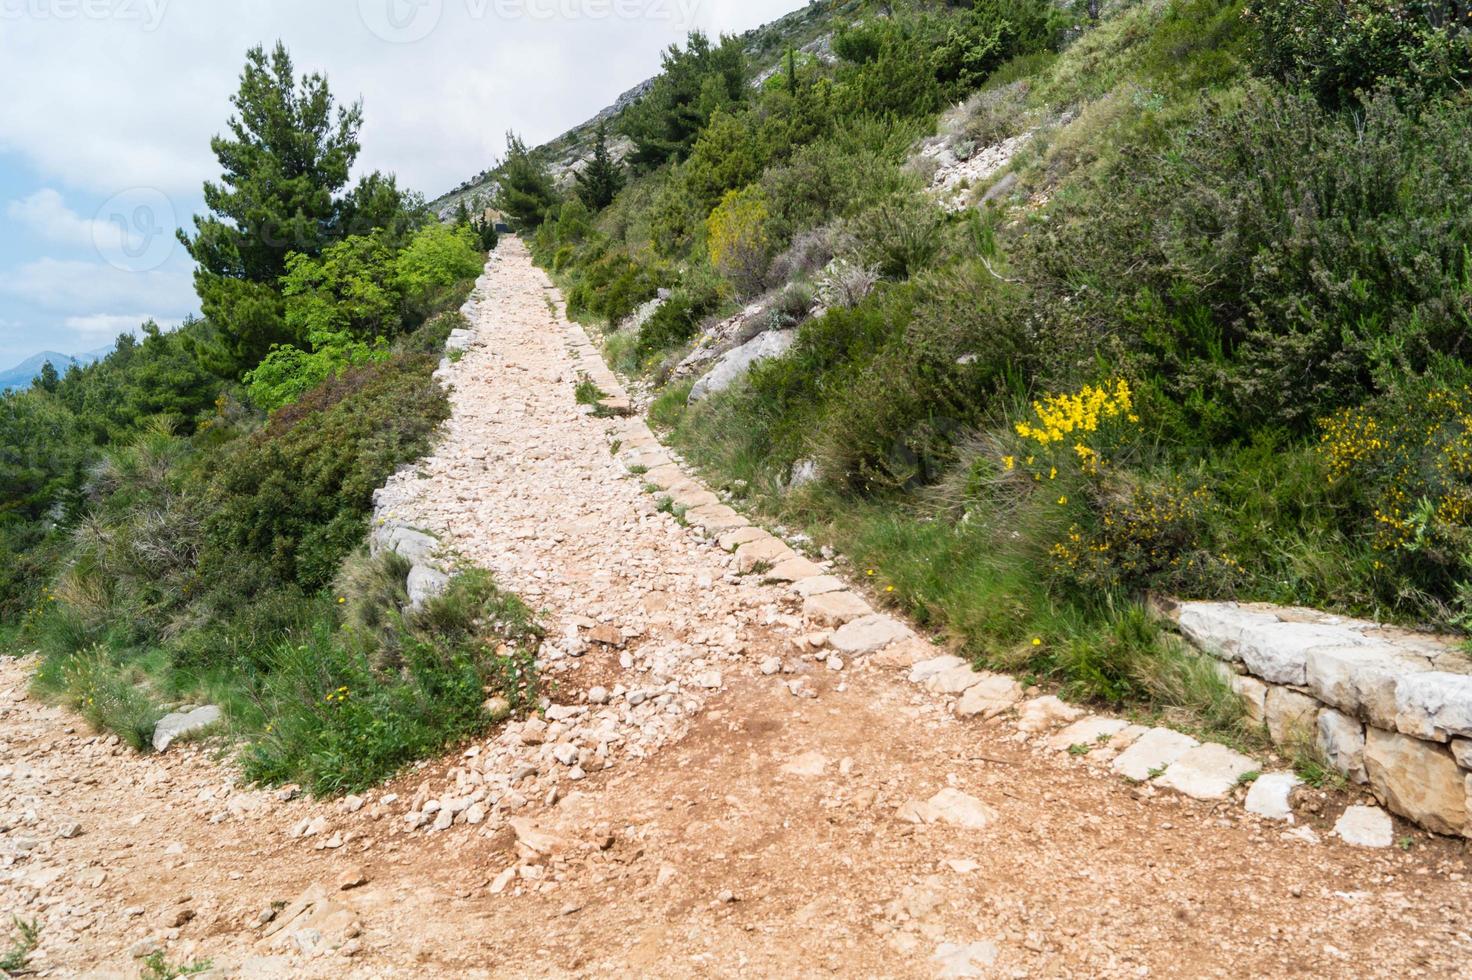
1270	795
1207	772
1365	826
1152	753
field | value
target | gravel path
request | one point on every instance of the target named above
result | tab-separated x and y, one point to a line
711	796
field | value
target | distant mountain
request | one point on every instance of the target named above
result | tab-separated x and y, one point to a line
26	371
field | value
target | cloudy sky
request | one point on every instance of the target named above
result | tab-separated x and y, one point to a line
109	106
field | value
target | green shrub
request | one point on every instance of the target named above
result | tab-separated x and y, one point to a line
296	496
677	319
1408	459
1340	49
1278	263
900	236
337	719
739	242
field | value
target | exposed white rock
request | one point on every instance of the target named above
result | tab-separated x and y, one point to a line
734	365
1088	731
1434	705
173	726
1041	714
1207	772
1271	795
1418	780
1365	826
1152	753
1341	740
993	695
1291	717
869	634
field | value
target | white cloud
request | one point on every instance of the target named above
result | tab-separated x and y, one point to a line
68	286
108	325
127	107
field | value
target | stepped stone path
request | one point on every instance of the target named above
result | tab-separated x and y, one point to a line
736	775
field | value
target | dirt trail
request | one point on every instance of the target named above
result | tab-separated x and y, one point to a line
722	826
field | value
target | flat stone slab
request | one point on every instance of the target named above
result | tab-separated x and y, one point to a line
180	723
794	569
957	679
819	585
1152	754
767	551
664	477
690	499
926	669
1207	772
732	540
1092	731
835	608
1366	826
715	518
1271	795
1041	714
868	635
993	695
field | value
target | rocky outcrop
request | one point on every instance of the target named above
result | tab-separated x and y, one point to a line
1384	707
736	363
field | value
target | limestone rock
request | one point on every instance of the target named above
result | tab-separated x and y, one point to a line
1152	753
1088	731
993	695
926	669
955	961
1360	680
1207	772
1271	795
1254	694
954	680
950	806
315	923
1418	780
868	635
734	365
1041	714
1341	740
1365	826
808	764
1291	717
180	723
425	583
835	608
794	569
1434	705
818	585
765	552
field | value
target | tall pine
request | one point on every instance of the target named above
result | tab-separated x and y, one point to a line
526	190
287	156
601	180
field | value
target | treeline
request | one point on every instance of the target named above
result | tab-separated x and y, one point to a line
186	518
1209	336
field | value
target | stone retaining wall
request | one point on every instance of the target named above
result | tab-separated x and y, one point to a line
1388	708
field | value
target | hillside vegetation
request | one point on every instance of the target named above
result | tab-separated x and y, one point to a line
1204	332
186	520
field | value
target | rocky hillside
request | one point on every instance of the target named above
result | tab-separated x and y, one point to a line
808	30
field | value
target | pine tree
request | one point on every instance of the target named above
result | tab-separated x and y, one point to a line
286	158
601	180
526	190
48	379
